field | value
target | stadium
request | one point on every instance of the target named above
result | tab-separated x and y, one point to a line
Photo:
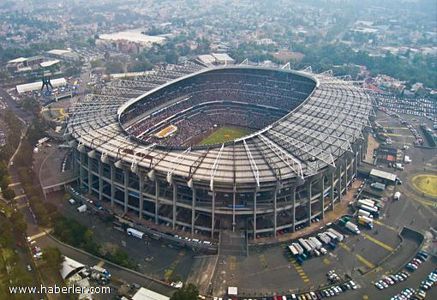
204	149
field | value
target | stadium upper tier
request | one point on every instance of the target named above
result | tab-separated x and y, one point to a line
310	121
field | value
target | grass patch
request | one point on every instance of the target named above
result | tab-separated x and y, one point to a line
426	183
224	134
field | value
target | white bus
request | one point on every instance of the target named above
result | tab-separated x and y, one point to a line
135	233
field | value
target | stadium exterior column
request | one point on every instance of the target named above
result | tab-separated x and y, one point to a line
233	209
356	162
339	183
322	196
331	192
346	168
293	196
193	210
112	185
175	194
81	169
275	212
141	188
310	195
126	190
90	176
254	215
213	214
156	200
100	179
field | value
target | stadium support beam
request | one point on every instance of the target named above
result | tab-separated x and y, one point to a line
322	197
286	157
253	165
339	183
90	176
293	197
234	195
100	164
287	66
214	167
275	212
156	201
112	185
213	214
193	209
311	150
254	215
126	189
310	195
177	162
175	194
332	190
141	198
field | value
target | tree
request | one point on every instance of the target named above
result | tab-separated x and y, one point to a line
188	292
53	258
9	194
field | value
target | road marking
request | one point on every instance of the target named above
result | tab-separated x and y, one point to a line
378	242
300	271
399	135
397	128
38	235
263	261
232	263
345	247
364	261
385	225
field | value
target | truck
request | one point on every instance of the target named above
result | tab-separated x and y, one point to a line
378	186
324	237
305	246
135	233
365	221
399	166
365	213
101	270
397	196
340	237
352	227
298	248
82	208
293	250
332	236
366	202
316	242
373	210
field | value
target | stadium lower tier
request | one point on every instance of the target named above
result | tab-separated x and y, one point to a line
262	211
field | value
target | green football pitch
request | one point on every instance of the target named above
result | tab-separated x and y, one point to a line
224	134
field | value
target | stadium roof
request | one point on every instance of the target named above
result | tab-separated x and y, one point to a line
146	294
133	36
319	131
223	57
69	266
384	175
59	51
17	60
37	85
49	63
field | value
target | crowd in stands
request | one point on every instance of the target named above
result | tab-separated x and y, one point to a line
266	88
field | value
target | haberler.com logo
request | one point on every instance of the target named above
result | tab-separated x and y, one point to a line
74	289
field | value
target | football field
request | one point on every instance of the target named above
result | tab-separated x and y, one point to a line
224	134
